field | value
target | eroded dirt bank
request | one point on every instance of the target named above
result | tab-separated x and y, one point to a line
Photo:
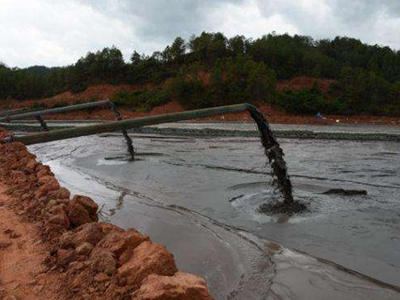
53	247
275	115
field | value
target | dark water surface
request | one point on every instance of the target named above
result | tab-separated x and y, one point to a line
200	197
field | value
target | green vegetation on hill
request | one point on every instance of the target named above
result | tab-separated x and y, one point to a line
211	70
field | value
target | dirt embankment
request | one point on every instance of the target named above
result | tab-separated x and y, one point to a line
53	247
274	115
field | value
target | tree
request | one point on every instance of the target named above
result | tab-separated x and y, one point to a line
177	50
108	65
366	78
237	45
261	82
208	46
135	58
394	98
363	91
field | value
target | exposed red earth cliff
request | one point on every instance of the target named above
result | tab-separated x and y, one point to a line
304	82
274	115
53	247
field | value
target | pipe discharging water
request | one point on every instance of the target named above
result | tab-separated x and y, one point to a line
281	178
272	148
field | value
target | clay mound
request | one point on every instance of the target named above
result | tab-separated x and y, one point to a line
3	133
93	260
98	92
170	107
182	285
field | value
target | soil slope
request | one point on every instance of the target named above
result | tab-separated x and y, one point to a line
106	91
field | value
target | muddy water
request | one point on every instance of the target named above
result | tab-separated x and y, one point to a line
200	198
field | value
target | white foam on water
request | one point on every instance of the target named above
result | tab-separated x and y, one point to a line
105	162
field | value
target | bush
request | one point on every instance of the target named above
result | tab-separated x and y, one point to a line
78	87
309	102
7	102
38	105
59	104
190	93
229	81
78	101
140	100
92	99
390	110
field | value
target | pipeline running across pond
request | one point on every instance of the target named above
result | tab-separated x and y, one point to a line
10	112
35	113
15	115
272	149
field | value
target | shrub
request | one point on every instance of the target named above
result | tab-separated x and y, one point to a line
309	102
78	101
140	100
79	87
38	105
58	104
190	93
7	102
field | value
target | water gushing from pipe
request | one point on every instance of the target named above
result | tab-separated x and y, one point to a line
275	155
281	178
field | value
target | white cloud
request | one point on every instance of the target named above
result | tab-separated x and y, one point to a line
55	32
247	19
372	21
386	31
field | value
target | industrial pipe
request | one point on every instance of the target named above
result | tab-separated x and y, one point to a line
272	148
128	124
104	103
11	112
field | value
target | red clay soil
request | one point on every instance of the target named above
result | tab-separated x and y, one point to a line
53	247
3	133
101	92
274	115
106	91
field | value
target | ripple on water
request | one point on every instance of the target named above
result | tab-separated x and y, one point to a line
321	205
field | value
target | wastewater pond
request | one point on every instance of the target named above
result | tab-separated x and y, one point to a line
200	195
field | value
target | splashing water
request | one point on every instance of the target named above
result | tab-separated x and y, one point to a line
275	154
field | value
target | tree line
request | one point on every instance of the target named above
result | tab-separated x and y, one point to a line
210	70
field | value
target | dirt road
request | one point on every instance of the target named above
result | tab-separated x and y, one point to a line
22	253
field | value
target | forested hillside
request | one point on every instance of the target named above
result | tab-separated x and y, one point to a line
211	70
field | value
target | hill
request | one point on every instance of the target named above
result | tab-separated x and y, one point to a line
108	91
347	76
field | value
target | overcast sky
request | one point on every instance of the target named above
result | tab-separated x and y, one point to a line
58	32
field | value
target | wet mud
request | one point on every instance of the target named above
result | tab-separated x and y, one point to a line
343	192
201	199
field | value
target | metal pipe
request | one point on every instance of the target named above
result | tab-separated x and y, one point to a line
271	147
104	103
127	124
128	139
39	113
42	123
5	113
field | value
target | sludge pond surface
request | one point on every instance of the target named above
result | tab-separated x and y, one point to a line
200	197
